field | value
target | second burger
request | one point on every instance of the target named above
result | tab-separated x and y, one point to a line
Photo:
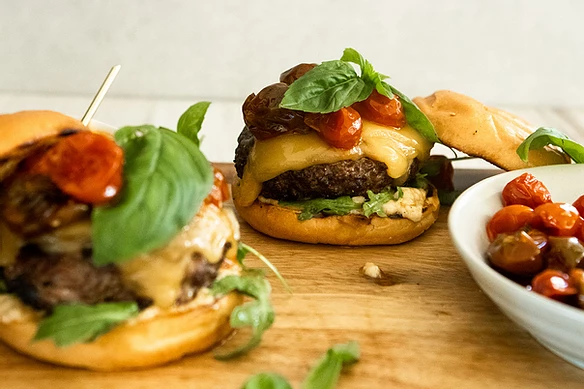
331	156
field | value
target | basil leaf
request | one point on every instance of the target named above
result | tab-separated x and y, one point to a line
377	200
544	136
326	88
243	250
311	208
258	314
166	178
368	73
416	118
325	374
190	122
79	323
266	381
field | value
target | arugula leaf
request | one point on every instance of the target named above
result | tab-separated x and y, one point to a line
243	250
544	136
326	88
376	201
310	208
258	314
325	374
266	381
416	118
368	74
190	122
79	323
166	178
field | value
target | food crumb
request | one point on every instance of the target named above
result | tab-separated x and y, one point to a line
371	270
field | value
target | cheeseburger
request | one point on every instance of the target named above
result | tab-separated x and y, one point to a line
330	156
107	254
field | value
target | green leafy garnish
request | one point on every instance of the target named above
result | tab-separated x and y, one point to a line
257	314
324	375
267	381
545	136
166	178
79	323
327	371
335	84
243	249
310	208
416	118
376	201
190	122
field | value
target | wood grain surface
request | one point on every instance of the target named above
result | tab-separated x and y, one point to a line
432	328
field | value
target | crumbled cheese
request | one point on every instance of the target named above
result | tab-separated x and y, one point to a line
358	199
409	206
371	270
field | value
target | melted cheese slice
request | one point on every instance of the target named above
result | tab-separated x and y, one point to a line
159	274
396	147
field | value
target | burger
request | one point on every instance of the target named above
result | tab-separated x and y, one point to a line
111	250
331	156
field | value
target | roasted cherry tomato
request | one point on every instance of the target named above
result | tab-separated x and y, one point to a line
518	253
565	253
509	219
579	205
85	165
526	190
381	109
559	219
578	276
554	284
220	191
340	129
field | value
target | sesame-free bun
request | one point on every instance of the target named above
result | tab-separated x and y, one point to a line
351	230
27	127
153	338
490	133
24	132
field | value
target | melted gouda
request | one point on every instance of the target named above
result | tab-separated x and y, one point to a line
396	147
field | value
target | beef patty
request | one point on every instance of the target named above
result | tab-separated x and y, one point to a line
342	178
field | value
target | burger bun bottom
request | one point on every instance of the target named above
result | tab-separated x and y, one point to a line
351	230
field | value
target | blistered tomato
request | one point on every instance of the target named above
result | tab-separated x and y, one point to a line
381	109
558	219
86	165
526	190
554	284
509	219
579	205
340	129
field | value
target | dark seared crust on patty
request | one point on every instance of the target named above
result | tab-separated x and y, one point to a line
342	178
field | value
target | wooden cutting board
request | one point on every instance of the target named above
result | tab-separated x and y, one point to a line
432	328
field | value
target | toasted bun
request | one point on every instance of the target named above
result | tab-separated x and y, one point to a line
153	338
27	127
475	129
352	230
24	132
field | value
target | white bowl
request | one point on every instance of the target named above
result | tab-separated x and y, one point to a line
557	326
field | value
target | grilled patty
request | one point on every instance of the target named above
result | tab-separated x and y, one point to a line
342	178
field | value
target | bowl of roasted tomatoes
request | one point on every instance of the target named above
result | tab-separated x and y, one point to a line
521	235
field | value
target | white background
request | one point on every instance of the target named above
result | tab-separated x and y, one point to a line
524	55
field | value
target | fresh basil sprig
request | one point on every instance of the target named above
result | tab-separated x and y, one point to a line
335	84
257	314
243	249
190	122
79	323
166	178
324	375
544	136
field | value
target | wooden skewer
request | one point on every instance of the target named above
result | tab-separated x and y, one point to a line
98	98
